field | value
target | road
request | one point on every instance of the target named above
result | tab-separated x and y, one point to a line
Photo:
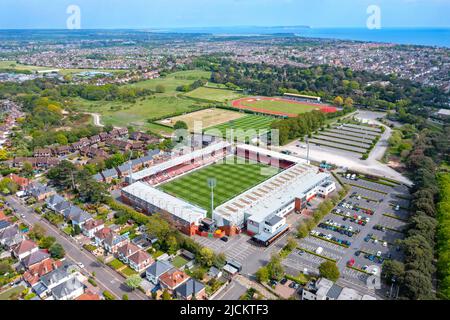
104	276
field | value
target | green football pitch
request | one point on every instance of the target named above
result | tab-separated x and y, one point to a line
244	128
233	178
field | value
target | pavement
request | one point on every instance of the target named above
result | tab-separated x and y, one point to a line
232	292
341	158
104	276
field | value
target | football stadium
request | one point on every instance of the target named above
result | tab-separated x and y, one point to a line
226	189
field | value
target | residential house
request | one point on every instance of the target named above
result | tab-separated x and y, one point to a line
68	290
54	278
91	227
33	274
173	279
122	131
140	261
98	177
113	241
39	191
23	183
53	201
93	153
10	236
191	290
62	151
123	146
42	153
77	216
104	136
109	175
156	270
35	258
126	251
88	296
95	139
214	273
24	249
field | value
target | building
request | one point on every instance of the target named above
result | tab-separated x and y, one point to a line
156	270
324	289
191	289
91	227
183	215
140	261
173	279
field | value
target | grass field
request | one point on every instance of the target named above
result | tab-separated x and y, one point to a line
124	114
246	127
282	106
22	67
232	180
208	118
179	262
211	94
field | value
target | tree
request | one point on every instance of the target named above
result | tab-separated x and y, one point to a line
125	297
417	286
329	270
393	271
133	282
46	242
5	268
302	231
291	244
57	251
338	101
262	275
275	268
205	257
348	102
37	232
172	245
166	295
61	139
180	125
220	260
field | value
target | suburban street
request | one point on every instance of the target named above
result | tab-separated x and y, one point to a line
104	276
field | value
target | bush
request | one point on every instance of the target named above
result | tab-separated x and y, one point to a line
108	295
329	270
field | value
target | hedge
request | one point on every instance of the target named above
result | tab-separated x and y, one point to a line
108	295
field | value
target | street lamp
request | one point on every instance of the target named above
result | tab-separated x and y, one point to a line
212	183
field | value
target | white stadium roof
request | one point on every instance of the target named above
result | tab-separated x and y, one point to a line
177	161
270	153
166	202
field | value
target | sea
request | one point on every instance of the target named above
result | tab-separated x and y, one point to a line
437	37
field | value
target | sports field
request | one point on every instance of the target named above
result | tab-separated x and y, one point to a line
248	126
279	106
208	118
232	179
212	94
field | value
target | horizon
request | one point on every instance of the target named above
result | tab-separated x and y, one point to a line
141	14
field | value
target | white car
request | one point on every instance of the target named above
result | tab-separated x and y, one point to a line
348	215
385	244
80	265
397	208
379	254
350	228
329	237
375	271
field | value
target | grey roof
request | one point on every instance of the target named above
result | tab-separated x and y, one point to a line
213	272
38	189
54	200
4	224
158	268
9	232
98	177
189	288
110	173
274	220
334	292
62	206
77	215
57	275
35	257
66	288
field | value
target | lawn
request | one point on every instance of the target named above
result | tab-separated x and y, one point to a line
179	262
116	264
281	106
212	94
208	118
123	114
248	126
5	295
232	179
128	272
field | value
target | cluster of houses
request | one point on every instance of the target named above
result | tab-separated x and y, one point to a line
11	113
127	168
180	285
48	278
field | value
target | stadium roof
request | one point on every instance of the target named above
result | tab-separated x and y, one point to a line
166	202
301	96
177	161
270	153
266	198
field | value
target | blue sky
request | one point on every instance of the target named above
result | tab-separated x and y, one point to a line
207	13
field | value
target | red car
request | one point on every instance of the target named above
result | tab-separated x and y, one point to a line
351	263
